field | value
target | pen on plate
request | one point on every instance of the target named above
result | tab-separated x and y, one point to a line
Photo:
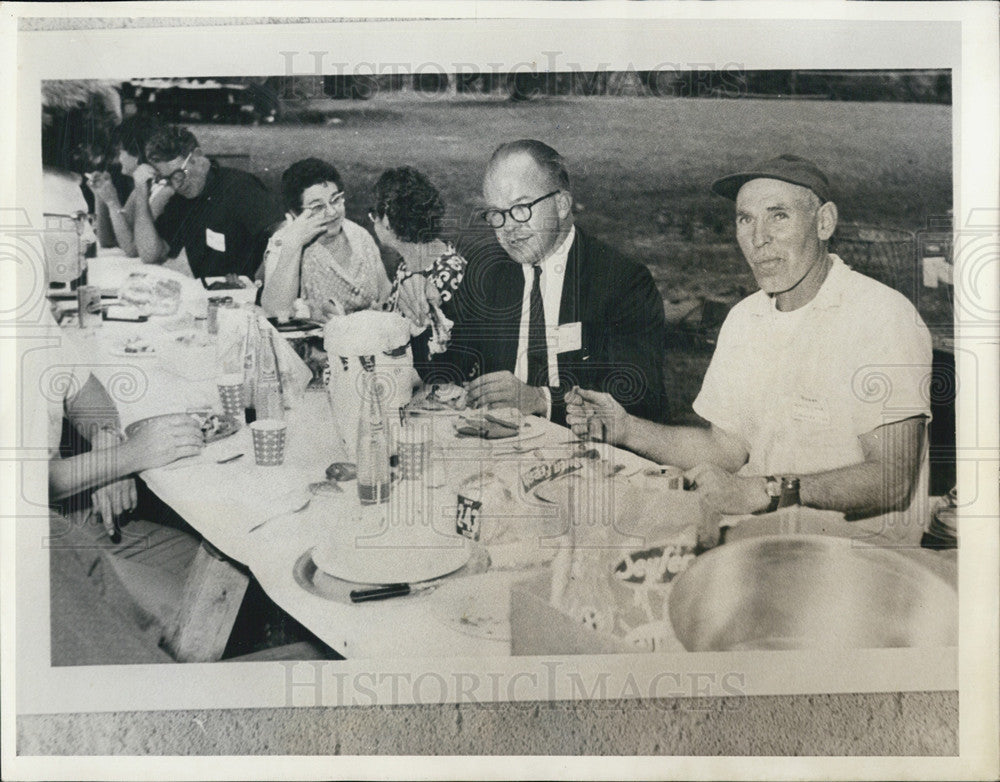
385	592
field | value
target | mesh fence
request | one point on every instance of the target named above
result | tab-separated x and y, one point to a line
886	254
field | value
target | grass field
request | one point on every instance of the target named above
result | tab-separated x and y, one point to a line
641	168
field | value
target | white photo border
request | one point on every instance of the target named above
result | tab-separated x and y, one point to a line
758	36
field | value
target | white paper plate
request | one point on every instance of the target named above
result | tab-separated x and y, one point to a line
529	431
315	581
366	562
478	605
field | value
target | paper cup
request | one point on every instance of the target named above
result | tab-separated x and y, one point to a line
268	442
467	516
231	396
414	448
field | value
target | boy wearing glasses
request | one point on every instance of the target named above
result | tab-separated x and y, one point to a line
222	217
551	307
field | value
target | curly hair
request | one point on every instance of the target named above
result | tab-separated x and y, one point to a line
170	142
413	205
302	175
134	133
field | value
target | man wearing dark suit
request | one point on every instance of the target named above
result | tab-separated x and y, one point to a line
551	308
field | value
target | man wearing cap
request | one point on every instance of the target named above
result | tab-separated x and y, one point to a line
544	306
821	375
220	216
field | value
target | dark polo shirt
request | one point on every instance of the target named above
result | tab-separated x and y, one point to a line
225	229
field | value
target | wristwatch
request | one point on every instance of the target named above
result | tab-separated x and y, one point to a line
772	487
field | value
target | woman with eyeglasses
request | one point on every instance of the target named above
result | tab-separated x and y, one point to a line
318	254
407	217
116	195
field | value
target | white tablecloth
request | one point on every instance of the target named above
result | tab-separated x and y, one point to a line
255	516
226	501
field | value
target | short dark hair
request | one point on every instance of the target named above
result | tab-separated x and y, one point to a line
134	133
413	205
170	142
302	175
550	161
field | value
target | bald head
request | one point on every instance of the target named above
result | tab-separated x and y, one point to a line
545	157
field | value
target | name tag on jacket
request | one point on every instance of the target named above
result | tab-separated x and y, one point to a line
569	337
215	240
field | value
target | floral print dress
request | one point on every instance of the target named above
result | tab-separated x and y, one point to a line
446	272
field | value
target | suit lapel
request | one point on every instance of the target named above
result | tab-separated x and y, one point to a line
511	285
569	304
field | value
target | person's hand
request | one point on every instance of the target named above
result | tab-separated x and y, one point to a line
719	493
143	174
726	492
111	501
163	441
594	415
103	188
323	311
305	227
417	295
502	389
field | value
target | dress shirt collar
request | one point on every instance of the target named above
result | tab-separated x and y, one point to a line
561	253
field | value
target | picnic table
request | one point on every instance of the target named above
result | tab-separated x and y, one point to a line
265	519
274	523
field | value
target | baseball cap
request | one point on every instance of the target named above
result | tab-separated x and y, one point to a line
788	168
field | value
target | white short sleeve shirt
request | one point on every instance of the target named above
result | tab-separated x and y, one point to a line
799	388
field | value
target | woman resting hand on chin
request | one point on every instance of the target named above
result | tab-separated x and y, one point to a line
318	254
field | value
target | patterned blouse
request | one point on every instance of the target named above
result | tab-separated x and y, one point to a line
359	284
446	272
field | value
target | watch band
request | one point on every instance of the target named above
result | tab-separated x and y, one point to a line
773	489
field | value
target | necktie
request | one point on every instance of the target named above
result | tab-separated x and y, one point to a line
538	359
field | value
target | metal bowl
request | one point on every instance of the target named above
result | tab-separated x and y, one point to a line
812	592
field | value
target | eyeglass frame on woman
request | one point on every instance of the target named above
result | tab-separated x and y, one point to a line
182	171
485	214
336	201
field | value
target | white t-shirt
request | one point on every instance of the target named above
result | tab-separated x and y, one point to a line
798	388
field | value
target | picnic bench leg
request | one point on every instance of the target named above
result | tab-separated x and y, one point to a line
212	597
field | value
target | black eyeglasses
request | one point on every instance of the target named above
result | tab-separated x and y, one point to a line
519	213
178	177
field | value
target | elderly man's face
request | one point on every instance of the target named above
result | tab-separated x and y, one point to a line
517	179
781	232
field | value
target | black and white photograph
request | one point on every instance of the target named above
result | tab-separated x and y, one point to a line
602	384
